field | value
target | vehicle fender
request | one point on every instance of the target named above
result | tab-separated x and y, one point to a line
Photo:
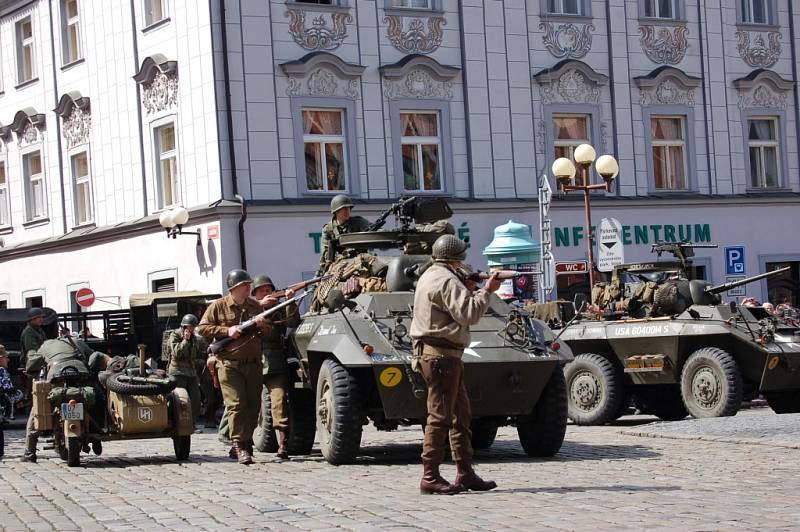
73	429
182	412
343	347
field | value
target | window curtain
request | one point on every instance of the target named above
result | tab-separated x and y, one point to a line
418	125
568	128
322	123
761	130
666	129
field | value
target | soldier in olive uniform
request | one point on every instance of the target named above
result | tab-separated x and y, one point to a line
276	377
32	338
184	348
444	308
238	366
342	222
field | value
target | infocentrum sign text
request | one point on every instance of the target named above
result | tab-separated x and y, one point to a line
638	234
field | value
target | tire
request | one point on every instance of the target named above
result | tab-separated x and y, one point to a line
97	447
264	439
73	451
182	446
338	414
128	388
595	390
663	401
783	401
483	433
60	445
302	423
711	384
541	433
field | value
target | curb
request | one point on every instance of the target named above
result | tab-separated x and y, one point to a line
719	439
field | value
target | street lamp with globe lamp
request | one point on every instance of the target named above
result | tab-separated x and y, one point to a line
173	220
564	170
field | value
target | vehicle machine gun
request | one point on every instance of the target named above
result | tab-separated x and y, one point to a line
683	251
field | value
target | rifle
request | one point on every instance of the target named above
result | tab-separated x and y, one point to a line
394	209
249	327
302	285
501	274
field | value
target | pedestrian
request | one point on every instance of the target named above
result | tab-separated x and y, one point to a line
342	222
445	305
184	348
238	365
276	369
13	396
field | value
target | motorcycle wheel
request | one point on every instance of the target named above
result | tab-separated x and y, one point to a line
73	452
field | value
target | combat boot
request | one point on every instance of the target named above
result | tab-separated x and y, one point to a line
283	453
432	482
29	456
243	454
468	479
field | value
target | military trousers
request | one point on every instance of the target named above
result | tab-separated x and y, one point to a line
240	381
31	435
192	386
278	386
449	411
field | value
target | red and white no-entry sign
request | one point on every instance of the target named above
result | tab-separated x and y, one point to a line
84	297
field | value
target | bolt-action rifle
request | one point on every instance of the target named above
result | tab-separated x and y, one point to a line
501	274
302	285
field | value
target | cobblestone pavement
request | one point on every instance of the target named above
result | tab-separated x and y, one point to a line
602	479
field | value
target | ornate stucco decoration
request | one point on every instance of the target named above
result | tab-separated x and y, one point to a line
319	36
663	45
763	89
28	125
569	40
759	53
76	118
322	74
570	81
414	39
667	86
418	77
158	78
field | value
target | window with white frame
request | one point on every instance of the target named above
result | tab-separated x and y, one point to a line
565	7
569	132
5	209
33	174
166	151
71	31
154	11
762	134
411	4
82	187
757	11
421	143
26	58
669	152
661	8
324	143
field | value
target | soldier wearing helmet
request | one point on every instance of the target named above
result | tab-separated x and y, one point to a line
184	347
238	367
342	222
444	308
276	368
31	339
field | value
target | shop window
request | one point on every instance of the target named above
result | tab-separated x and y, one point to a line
166	151
33	174
784	287
5	206
325	148
565	7
26	57
667	136
764	152
421	144
70	31
154	11
82	188
757	12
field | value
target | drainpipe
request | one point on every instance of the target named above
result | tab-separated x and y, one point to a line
705	103
793	48
612	90
467	125
231	145
58	124
139	109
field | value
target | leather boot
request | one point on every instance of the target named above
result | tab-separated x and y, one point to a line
29	456
468	479
245	457
282	435
233	452
432	482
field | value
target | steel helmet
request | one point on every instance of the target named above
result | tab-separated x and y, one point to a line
35	312
340	201
261	280
237	277
189	319
449	247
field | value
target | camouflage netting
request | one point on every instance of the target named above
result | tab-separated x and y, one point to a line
351	275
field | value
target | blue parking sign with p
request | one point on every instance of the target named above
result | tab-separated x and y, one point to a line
734	260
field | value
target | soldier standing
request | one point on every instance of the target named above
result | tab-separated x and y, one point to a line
31	339
276	369
238	367
342	222
184	348
444	308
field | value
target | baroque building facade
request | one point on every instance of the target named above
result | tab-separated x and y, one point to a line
252	114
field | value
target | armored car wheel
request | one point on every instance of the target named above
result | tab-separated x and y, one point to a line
594	388
711	383
541	433
338	413
783	401
483	433
73	452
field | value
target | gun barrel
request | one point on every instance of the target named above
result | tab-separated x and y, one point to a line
727	286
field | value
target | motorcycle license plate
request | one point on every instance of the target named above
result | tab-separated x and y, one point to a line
72	412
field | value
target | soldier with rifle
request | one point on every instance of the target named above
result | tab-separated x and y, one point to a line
238	364
342	222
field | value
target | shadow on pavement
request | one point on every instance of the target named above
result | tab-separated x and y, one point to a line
621	488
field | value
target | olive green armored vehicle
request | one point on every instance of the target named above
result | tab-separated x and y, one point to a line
355	351
671	345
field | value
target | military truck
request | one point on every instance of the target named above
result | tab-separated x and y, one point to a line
678	350
355	351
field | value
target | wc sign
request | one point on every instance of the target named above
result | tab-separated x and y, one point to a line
734	260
